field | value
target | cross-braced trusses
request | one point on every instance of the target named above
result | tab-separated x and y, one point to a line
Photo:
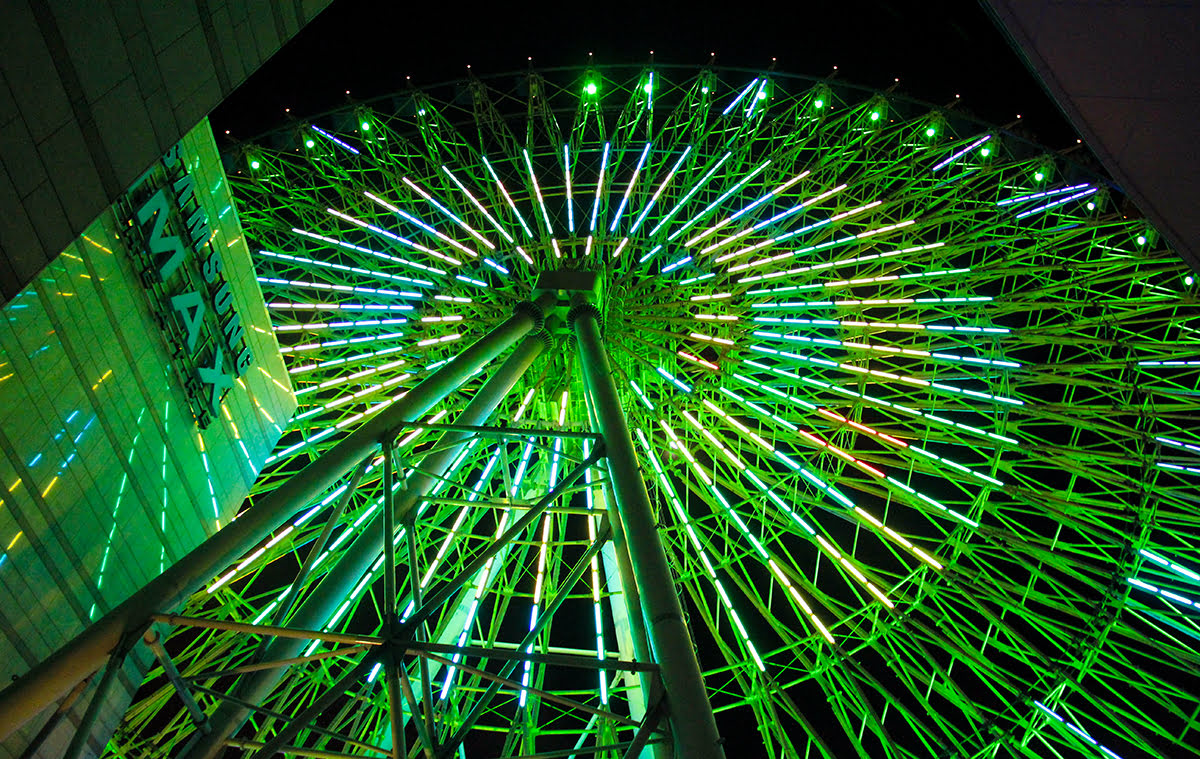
915	401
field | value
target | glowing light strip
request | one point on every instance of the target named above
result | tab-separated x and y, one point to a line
344	399
698	547
482	581
343	267
716	203
738	99
839	419
504	233
1178	467
823	246
1170	595
780	217
864	397
743	469
1166	563
1071	726
286	349
842	262
843	323
708	566
710	339
508	198
641	395
936	504
1046	194
886	349
368	251
1178	444
283	305
859	281
345	360
319	326
338	288
592	523
1057	203
629	188
599	188
675	265
683	201
570	199
537	189
698	361
761	94
879	526
350	377
962	152
335	140
1169	363
871	302
746	209
906	379
524	404
537	595
671	378
418	222
451	215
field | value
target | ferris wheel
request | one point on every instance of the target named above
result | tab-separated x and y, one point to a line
714	403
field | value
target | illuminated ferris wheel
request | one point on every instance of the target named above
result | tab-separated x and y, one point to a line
714	403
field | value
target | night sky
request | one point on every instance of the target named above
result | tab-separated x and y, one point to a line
938	49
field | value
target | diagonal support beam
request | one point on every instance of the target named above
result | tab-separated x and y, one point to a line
544	618
41	686
435	600
693	727
320	605
295	724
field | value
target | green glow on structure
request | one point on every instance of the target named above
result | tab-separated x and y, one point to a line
868	374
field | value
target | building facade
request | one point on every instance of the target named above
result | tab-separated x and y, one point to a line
141	390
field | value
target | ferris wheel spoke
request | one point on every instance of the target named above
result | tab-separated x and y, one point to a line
912	397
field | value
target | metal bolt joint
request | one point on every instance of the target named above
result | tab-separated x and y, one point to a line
582	309
533	311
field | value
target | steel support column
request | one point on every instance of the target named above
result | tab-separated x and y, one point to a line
316	610
87	652
693	727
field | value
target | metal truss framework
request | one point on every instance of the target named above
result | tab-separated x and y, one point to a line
913	401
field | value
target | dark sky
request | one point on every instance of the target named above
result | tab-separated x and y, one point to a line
938	48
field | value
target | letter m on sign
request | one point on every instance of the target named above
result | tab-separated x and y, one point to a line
167	251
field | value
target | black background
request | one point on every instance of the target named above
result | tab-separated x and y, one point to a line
938	49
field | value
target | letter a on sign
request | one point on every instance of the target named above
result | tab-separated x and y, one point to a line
167	250
190	310
217	378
